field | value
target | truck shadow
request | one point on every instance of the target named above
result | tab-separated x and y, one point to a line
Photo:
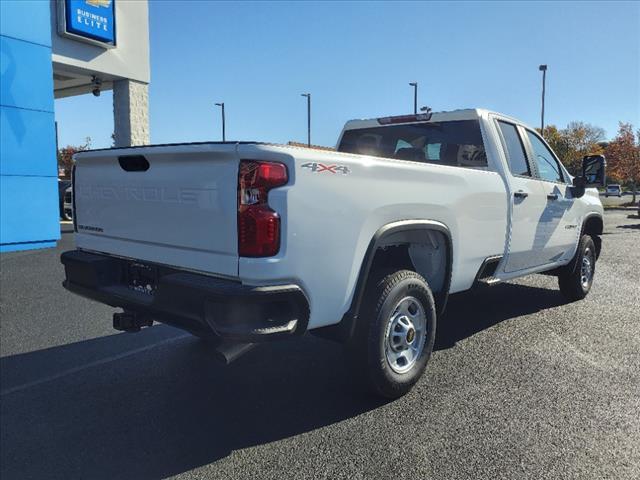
168	407
165	410
471	312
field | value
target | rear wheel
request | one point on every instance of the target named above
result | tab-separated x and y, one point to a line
395	334
576	281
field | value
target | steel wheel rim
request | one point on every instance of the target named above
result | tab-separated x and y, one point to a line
405	334
586	269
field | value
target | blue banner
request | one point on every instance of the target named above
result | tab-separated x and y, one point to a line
94	19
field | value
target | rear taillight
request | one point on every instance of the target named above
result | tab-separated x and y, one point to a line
258	225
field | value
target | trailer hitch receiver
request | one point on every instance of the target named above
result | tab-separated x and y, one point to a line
128	321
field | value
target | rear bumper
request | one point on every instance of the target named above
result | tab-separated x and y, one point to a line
197	303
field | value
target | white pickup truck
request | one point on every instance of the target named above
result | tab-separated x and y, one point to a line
242	242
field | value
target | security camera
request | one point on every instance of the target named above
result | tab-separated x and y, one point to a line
97	83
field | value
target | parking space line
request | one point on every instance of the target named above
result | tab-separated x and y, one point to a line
86	366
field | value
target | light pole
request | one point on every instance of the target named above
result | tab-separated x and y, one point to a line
308	95
543	69
415	97
221	105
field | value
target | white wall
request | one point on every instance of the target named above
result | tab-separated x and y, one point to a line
124	68
128	60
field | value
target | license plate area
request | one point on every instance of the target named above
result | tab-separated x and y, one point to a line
142	278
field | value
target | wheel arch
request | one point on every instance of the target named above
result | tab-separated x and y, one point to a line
396	234
593	225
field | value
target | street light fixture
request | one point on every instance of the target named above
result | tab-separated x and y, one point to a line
308	95
221	105
543	69
415	97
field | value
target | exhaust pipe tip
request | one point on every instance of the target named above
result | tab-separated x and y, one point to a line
227	351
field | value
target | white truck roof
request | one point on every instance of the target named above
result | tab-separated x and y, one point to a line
461	114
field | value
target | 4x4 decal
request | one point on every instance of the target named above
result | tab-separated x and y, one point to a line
321	167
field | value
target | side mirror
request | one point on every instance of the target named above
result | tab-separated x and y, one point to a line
594	171
593	174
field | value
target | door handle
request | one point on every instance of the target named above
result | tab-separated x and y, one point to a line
520	194
552	196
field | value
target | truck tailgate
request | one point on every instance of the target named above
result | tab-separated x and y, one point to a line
180	211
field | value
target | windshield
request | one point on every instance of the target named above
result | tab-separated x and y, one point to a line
454	143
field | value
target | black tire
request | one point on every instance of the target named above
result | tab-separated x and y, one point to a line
368	348
572	280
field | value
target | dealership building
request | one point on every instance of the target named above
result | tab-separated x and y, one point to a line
53	49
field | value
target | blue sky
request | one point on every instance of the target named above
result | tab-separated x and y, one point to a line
357	58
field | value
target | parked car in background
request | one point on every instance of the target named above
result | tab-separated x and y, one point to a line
68	204
63	185
613	190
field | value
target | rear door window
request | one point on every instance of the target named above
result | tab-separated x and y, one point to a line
516	155
454	143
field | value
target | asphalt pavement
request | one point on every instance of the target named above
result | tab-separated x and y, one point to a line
521	385
617	201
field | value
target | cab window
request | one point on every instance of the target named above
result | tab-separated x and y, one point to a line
456	143
548	167
514	149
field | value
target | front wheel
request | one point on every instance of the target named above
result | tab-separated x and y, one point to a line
576	281
395	334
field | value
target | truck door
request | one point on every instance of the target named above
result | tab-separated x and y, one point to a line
528	202
558	229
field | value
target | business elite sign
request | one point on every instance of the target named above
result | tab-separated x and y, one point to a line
93	21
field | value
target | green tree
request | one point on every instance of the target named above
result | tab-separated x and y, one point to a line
581	139
557	141
575	141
